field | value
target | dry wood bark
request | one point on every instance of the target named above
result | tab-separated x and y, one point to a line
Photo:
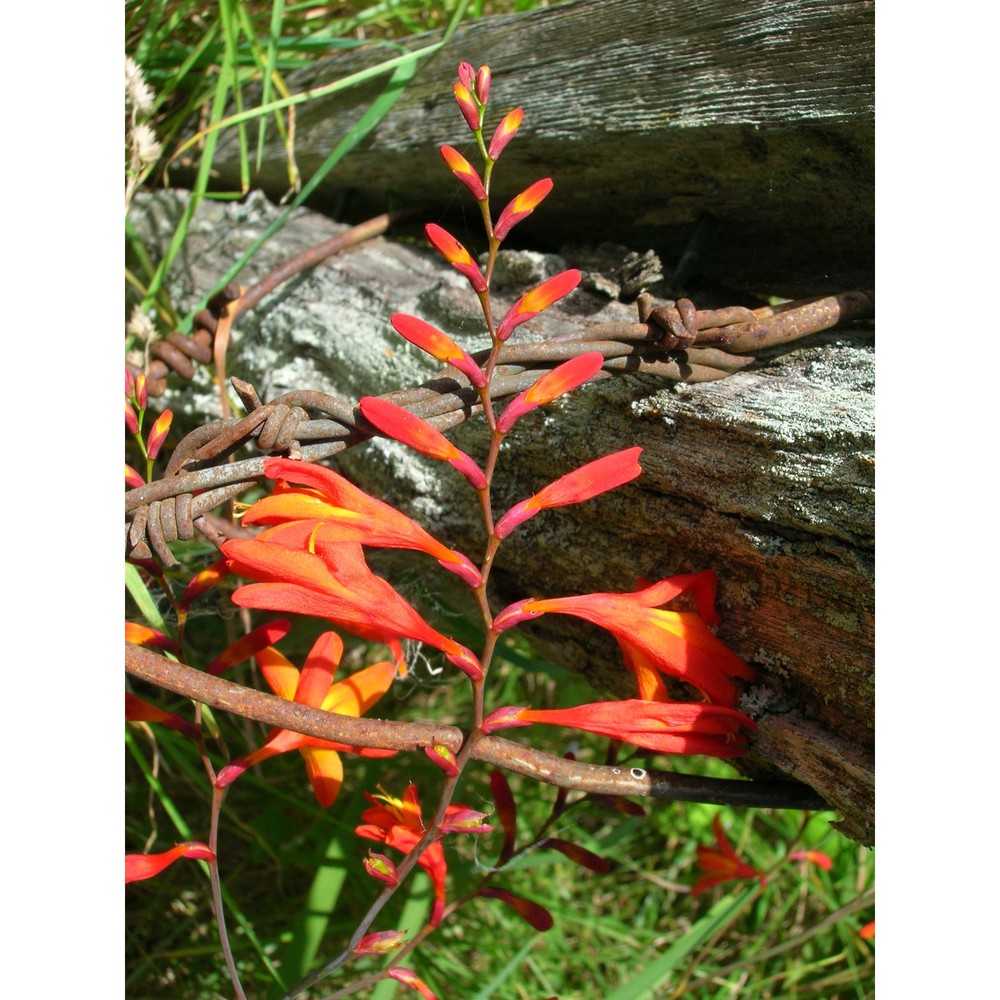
766	476
755	113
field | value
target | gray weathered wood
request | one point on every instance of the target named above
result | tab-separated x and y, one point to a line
647	115
766	476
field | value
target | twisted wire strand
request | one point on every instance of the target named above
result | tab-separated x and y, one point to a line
168	509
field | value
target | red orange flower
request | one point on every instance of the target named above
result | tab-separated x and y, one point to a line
532	303
468	107
340	511
505	131
380	943
438	345
819	858
665	727
581	484
200	583
411	979
653	640
138	710
158	434
721	863
550	386
401	425
300	572
143	866
250	644
315	686
399	824
456	255
464	171
143	635
521	207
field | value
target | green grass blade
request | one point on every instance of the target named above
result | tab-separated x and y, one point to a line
230	10
223	86
270	66
658	971
375	113
143	598
506	972
299	955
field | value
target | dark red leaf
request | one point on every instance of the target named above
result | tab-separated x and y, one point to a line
534	913
506	811
578	854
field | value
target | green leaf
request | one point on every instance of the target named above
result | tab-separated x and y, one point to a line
661	969
142	597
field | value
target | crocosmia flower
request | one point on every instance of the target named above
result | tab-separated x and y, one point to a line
314	686
143	866
301	573
581	484
550	386
456	255
665	727
521	207
398	824
411	979
721	863
380	943
335	510
653	640
401	425
138	710
529	305
467	105
438	345
464	171
158	434
505	131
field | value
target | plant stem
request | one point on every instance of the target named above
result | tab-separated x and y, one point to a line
220	917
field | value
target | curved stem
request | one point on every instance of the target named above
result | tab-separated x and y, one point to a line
220	916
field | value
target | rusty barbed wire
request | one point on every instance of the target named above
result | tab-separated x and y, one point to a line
670	342
673	341
221	693
177	352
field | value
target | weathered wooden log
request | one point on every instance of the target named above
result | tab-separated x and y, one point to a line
754	116
766	476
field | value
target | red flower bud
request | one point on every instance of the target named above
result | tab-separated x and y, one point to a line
483	78
158	434
505	131
467	106
521	207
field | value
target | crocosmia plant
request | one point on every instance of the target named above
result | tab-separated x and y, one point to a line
305	551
